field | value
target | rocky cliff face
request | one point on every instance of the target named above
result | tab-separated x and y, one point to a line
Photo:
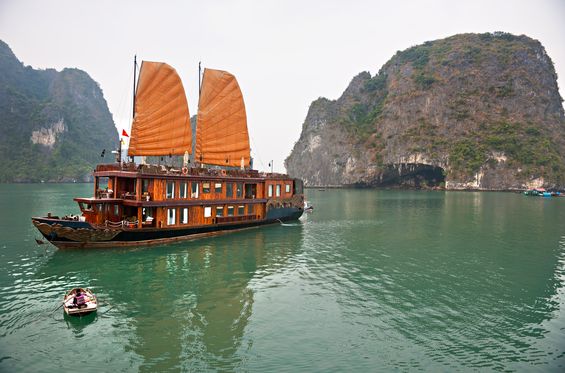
473	111
54	125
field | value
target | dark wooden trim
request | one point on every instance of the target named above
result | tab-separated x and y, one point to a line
192	202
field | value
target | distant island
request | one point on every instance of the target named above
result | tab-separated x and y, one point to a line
54	125
472	111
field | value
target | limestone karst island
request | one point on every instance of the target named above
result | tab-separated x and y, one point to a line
472	111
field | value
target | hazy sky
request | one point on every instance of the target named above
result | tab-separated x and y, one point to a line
285	54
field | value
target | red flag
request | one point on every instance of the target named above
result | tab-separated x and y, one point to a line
124	133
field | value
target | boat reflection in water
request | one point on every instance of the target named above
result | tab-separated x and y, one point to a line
185	305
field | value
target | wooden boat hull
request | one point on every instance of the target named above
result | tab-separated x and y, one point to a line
76	234
91	303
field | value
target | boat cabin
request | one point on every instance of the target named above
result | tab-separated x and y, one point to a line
145	196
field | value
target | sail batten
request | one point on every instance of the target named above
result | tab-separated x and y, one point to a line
221	131
161	124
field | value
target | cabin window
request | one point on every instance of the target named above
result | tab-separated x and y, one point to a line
185	215
239	190
116	210
250	209
103	182
183	189
230	210
144	186
278	193
270	191
205	187
207	211
250	191
147	214
171	216
241	210
218	187
229	190
83	207
194	190
170	189
219	211
287	188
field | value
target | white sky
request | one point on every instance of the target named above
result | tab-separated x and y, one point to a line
285	54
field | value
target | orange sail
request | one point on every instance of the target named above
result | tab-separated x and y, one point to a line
161	123
221	130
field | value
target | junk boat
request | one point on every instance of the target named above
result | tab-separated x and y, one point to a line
72	308
213	190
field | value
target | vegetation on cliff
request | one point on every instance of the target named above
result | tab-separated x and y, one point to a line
54	124
483	108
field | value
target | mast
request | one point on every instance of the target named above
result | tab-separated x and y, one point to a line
199	79
134	71
198	162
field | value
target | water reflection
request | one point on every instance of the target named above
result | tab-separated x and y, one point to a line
372	280
464	278
187	305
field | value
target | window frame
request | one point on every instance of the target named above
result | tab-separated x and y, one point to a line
221	210
172	194
194	192
172	218
183	191
184	215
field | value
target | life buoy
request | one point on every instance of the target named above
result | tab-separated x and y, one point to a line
184	170
224	172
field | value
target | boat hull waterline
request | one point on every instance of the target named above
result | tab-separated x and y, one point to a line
75	234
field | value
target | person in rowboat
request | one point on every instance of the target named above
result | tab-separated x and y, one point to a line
79	300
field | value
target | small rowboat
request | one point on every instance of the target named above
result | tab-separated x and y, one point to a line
89	306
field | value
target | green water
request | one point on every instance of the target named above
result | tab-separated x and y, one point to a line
371	281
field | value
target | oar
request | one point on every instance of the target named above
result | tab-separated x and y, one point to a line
61	305
105	312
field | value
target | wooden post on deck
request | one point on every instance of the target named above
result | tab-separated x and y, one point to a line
138	189
139	217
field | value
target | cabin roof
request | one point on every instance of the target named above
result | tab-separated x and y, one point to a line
92	200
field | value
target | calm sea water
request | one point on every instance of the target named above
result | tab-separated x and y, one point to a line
371	281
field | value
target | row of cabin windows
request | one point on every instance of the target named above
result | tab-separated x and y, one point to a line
277	190
220	211
206	187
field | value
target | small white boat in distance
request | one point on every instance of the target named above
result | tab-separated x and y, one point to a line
79	301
